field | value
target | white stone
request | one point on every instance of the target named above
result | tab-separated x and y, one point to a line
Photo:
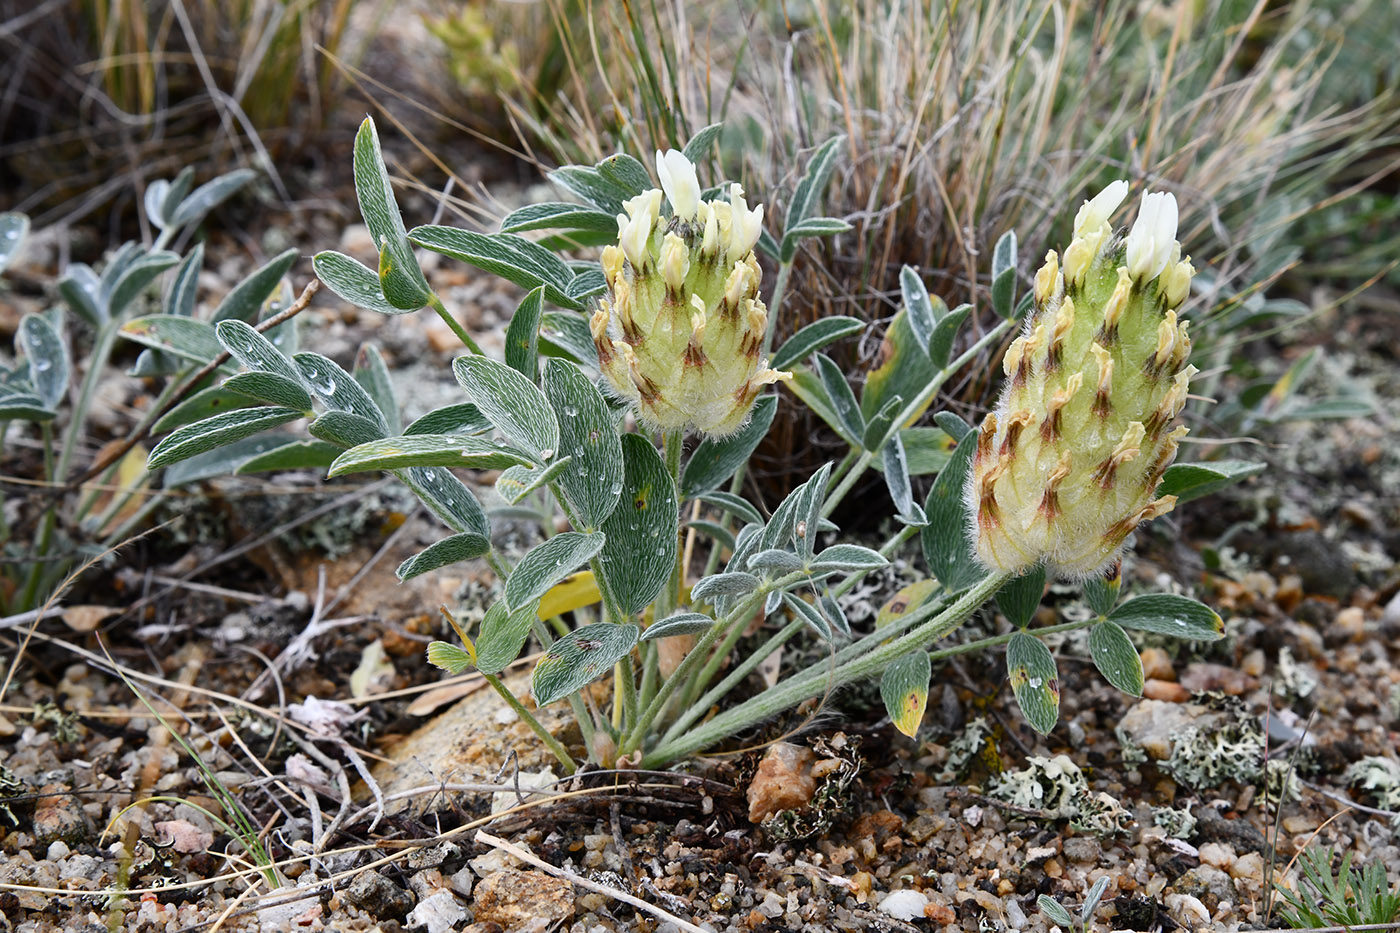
904	905
439	913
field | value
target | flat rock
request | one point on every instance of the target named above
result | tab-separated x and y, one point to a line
437	913
1151	724
468	744
516	898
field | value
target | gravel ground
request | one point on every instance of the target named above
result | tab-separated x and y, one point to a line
1169	797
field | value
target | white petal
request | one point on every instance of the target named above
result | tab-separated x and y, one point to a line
1094	213
678	180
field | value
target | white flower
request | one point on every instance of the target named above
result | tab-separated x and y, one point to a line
1153	235
1094	214
634	227
746	224
677	175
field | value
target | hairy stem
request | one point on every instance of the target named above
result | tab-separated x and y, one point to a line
794	691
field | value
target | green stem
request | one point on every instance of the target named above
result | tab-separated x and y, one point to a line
694	710
794	691
435	303
626	678
739	615
553	744
46	527
834	499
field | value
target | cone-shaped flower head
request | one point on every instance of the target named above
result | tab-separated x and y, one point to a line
681	330
1068	463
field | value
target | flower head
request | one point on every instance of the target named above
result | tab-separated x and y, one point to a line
681	331
1069	461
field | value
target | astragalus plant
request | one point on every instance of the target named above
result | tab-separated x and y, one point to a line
634	388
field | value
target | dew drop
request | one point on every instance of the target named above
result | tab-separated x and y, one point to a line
12	234
43	366
1034	683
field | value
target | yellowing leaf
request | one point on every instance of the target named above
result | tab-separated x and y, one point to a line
576	591
905	601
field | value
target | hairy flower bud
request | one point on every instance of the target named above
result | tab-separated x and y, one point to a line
1068	463
680	333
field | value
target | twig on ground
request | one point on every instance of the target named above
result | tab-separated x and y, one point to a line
483	836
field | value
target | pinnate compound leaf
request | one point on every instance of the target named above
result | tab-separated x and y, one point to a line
502	634
338	390
1116	658
810	190
245	300
579	658
48	358
643	530
513	403
401	279
714	460
344	429
427	450
451	658
919	306
847	558
586	433
1057	914
716	586
353	281
185	442
1019	597
447	497
1004	276
548	563
810	615
441	553
904	688
13	228
513	258
698	147
523	336
940	348
682	623
270	388
185	337
517	482
734	505
945	544
253	350
813	337
1034	680
209	196
1168	614
372	373
462	418
294	454
555	215
1189	481
206	403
